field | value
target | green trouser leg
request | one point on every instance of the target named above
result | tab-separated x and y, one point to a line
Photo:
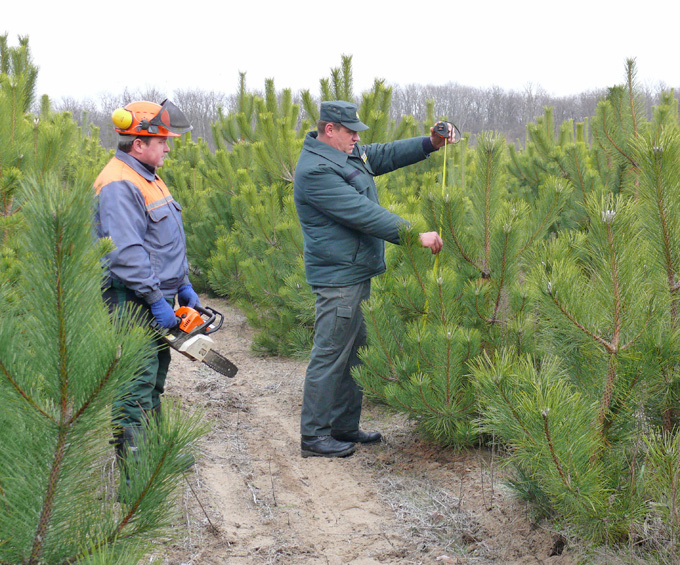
141	394
331	398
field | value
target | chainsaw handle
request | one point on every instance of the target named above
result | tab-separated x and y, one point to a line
212	316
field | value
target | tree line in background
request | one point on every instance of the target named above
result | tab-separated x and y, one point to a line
548	327
473	110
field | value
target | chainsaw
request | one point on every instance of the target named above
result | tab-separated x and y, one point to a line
191	337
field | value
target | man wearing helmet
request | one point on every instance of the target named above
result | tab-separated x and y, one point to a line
149	266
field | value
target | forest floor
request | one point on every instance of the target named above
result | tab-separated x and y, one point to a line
252	499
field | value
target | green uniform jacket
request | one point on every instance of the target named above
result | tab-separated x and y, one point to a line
343	224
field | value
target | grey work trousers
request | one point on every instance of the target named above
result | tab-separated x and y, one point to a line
331	400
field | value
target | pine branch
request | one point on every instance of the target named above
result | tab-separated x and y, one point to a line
454	235
630	76
542	226
444	316
448	368
414	307
508	402
610	138
487	218
551	447
28	398
481	316
580	326
616	333
426	403
48	504
421	354
414	267
382	344
608	391
366	361
501	281
407	409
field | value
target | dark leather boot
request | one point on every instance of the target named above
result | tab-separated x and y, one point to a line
357	436
126	440
325	446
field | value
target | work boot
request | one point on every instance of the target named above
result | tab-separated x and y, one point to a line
126	440
357	436
325	446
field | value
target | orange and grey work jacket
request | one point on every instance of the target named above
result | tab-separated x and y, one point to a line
135	209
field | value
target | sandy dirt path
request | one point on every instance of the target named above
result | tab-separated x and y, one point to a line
252	499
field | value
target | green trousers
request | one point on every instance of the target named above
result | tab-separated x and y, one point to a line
331	399
142	393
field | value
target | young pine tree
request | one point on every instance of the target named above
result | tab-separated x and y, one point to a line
259	264
416	361
657	154
572	420
488	237
62	361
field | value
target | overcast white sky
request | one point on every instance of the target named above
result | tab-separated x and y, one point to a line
88	48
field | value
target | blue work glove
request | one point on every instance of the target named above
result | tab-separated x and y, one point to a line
164	314
187	296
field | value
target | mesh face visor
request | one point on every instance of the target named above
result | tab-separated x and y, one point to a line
171	118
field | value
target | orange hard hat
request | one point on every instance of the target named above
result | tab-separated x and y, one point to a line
149	118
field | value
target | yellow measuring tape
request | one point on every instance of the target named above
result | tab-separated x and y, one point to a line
435	267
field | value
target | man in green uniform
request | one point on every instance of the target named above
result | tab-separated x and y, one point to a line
345	230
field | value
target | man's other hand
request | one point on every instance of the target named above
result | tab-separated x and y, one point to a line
432	241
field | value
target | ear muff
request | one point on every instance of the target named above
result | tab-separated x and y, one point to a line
121	118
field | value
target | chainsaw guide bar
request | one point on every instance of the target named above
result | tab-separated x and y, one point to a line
220	364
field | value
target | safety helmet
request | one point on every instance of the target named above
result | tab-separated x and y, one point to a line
149	118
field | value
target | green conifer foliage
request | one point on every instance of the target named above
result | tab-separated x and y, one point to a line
237	125
278	147
597	299
258	263
572	420
375	113
206	210
62	360
662	482
489	235
417	354
17	84
340	85
657	154
608	318
547	425
471	296
607	164
615	128
549	155
257	144
36	146
19	73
